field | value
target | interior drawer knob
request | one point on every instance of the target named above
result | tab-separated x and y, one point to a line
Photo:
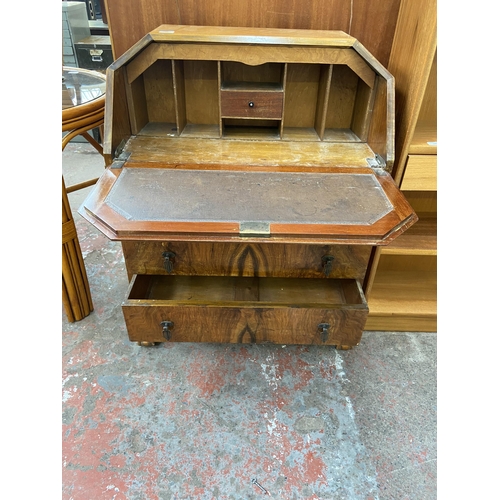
251	104
168	261
327	261
167	329
323	331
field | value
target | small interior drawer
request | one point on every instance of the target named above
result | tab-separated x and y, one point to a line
245	310
420	173
256	104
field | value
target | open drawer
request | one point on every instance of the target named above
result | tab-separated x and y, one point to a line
245	310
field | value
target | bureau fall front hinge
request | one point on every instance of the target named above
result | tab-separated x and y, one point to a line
377	162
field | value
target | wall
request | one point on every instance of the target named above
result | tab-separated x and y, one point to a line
371	22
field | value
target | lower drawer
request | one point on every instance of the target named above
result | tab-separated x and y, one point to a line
245	310
246	259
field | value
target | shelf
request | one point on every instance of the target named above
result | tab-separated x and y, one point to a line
420	173
424	140
157	129
317	102
403	300
420	239
252	133
252	87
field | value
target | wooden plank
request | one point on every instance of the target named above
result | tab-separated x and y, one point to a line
420	173
403	322
284	78
424	140
201	92
428	110
325	81
159	91
241	35
117	127
179	95
301	95
404	293
137	105
363	109
253	55
129	22
234	73
381	132
373	24
410	64
273	153
341	99
314	14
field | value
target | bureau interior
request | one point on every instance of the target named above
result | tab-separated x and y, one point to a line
230	289
317	102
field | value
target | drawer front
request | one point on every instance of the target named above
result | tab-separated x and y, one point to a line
244	321
420	173
246	259
94	58
251	104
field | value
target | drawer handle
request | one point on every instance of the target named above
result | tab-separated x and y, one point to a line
166	329
168	261
251	104
323	331
327	261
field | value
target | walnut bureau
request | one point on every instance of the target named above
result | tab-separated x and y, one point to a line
250	181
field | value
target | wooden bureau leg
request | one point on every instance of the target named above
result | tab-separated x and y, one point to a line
343	347
143	343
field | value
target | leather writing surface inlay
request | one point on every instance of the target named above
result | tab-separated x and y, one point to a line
152	194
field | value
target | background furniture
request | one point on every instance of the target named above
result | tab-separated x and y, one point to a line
401	34
83	98
75	27
402	283
94	52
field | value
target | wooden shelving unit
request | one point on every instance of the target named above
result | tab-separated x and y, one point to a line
401	284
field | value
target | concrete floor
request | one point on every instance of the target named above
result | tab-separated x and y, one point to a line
208	421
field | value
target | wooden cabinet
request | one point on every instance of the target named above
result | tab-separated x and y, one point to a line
402	282
250	178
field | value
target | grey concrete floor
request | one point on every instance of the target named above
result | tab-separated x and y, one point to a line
201	421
